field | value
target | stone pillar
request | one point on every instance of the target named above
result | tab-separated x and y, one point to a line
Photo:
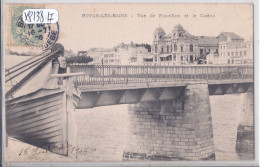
179	129
245	131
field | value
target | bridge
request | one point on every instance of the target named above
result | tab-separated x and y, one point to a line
116	84
169	109
169	106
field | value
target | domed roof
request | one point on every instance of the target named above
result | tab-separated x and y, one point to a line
178	27
159	30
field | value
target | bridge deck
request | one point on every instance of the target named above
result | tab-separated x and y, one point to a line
100	87
98	78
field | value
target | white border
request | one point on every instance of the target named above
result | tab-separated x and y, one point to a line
162	163
132	1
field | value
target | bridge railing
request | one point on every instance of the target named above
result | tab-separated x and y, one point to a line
124	74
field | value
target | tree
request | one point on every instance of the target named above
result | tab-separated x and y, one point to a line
79	59
147	46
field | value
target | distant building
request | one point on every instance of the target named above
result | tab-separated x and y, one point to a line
207	45
110	58
235	52
178	47
98	54
125	54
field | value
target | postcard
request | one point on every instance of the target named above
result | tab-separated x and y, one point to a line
129	82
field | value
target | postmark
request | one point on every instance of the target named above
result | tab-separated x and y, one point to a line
42	36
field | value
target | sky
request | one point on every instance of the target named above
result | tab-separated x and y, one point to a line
79	33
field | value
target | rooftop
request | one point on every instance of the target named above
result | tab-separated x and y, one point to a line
232	35
208	40
159	30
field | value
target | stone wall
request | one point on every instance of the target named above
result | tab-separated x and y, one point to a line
245	131
179	129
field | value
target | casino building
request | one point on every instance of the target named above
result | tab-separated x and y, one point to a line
178	47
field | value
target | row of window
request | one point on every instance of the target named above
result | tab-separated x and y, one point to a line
108	61
134	59
187	58
108	55
170	49
223	47
234	53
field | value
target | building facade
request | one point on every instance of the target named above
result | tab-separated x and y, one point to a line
178	47
110	58
126	54
233	52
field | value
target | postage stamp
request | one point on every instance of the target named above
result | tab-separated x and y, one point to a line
31	35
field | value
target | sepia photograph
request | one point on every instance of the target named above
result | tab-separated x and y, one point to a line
129	82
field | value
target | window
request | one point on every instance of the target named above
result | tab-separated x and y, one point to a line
191	47
171	48
174	57
244	52
232	53
162	49
134	59
181	48
148	60
181	58
240	53
236	53
169	58
191	58
162	59
228	53
175	47
201	51
156	49
167	48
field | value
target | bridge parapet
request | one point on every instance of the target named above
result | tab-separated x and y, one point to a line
124	74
